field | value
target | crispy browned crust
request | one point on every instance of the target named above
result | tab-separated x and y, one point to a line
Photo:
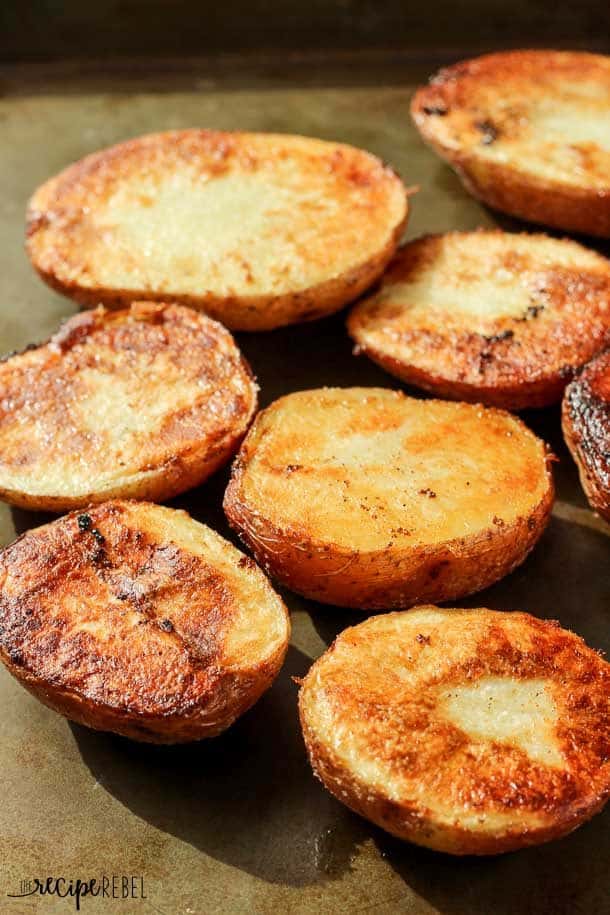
351	695
392	577
518	362
49	395
586	428
59	232
471	97
122	629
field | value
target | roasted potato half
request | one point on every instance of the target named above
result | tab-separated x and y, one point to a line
586	429
528	132
145	402
493	317
467	731
133	618
366	498
258	230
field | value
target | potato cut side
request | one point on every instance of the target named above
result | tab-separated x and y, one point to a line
258	230
488	316
133	618
528	132
586	429
144	402
467	731
366	498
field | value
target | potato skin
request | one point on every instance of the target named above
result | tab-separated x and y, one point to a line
585	419
121	618
386	579
505	186
236	693
256	313
336	698
65	252
513	361
410	825
396	576
150	350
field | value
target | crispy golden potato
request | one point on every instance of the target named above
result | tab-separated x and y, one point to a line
258	230
133	618
493	317
586	429
366	498
528	132
467	731
143	403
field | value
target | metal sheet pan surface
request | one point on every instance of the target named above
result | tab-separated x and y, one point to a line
238	824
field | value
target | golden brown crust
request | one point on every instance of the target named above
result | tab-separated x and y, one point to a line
133	618
141	403
467	731
488	316
257	230
527	132
586	428
365	498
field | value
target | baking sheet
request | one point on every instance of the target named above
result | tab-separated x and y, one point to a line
238	824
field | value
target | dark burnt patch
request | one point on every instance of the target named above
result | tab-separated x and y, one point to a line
435	110
499	337
489	131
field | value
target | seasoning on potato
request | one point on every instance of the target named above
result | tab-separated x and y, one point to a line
366	498
466	731
134	618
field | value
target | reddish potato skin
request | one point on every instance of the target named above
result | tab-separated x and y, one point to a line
385	580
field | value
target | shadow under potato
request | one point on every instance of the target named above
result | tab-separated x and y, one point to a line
247	797
566	877
566	577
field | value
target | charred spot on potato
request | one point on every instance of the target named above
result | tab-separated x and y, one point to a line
428	492
435	570
499	337
84	522
166	625
489	131
532	311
